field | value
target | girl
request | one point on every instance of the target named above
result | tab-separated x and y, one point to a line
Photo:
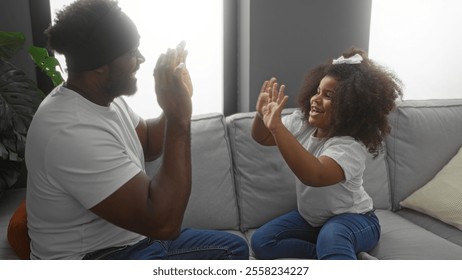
344	105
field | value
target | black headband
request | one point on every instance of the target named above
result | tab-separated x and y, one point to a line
114	35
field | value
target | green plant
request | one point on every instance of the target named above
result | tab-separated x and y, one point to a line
19	99
46	63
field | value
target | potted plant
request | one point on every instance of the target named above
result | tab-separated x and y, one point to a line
19	99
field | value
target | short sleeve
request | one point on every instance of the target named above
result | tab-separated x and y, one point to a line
89	163
122	104
348	153
295	122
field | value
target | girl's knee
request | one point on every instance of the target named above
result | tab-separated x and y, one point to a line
335	242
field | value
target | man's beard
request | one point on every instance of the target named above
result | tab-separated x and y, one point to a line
117	87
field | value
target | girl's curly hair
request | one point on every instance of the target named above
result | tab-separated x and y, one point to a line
364	96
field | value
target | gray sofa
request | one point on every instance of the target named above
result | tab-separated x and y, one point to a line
238	185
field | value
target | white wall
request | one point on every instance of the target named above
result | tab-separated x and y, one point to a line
163	24
421	41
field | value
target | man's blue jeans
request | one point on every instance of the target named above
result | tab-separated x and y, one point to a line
191	244
340	238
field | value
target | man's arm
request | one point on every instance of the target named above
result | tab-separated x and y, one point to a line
155	206
151	133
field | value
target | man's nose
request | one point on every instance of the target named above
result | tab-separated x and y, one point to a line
139	57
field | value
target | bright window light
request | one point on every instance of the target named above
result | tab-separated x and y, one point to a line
420	41
162	24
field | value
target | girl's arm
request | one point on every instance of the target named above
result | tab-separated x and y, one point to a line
312	171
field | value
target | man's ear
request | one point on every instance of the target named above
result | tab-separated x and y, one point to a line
102	70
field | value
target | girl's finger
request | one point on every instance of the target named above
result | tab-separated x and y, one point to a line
275	92
263	87
281	94
270	93
283	103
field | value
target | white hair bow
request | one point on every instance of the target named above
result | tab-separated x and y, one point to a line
355	59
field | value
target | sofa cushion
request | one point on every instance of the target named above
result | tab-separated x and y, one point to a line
264	183
425	135
212	203
376	181
401	239
441	197
436	226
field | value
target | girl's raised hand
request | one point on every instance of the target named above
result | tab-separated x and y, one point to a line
272	111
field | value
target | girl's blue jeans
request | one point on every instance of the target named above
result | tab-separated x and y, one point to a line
340	238
191	244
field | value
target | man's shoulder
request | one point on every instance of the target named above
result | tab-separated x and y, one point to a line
58	100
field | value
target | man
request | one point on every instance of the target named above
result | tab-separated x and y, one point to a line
88	196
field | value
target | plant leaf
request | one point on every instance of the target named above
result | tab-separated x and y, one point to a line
19	99
10	44
9	174
46	63
38	55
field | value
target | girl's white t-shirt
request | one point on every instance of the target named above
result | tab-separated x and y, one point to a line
317	204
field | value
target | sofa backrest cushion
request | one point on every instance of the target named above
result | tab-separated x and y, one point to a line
376	181
212	204
425	135
264	183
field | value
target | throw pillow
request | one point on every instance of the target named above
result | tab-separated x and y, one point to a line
441	197
18	236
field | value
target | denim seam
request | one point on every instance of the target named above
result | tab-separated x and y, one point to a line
202	249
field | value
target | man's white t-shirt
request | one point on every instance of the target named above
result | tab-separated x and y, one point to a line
317	204
77	154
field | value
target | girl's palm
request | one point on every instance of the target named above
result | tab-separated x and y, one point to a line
273	109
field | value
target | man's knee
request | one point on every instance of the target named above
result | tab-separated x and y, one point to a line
238	247
261	246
